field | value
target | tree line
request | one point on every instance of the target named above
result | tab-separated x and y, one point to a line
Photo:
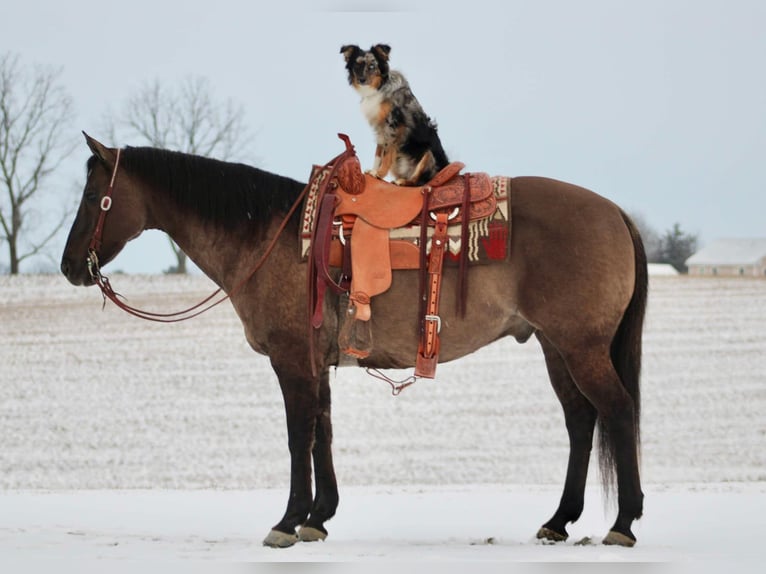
36	136
674	246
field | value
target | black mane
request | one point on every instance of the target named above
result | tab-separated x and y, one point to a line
223	193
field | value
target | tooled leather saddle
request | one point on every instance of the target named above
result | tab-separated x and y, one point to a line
355	213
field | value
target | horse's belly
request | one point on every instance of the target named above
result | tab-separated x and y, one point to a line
490	315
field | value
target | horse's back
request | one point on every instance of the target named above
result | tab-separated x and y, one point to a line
561	228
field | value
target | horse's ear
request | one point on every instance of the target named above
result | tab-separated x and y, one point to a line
349	51
103	153
383	50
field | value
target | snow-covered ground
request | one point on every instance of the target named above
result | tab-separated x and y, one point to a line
122	439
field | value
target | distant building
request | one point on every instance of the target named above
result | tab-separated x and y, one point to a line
730	258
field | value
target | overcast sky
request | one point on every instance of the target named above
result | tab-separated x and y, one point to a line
659	105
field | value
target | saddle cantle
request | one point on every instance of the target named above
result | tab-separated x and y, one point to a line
359	210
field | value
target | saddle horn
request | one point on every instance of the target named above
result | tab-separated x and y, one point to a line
349	171
347	141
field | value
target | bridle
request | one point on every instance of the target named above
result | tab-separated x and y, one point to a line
206	304
105	205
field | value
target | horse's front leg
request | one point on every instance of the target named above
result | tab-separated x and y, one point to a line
326	498
301	397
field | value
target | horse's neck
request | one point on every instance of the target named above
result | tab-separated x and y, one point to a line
218	252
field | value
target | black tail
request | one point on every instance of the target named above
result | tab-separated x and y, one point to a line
626	355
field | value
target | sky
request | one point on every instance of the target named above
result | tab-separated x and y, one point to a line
657	105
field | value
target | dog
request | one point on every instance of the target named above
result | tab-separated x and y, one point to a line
407	141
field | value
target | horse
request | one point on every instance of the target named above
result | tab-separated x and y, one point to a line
576	279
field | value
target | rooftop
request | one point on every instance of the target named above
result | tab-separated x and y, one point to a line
745	251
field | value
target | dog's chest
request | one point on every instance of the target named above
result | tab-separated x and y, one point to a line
370	105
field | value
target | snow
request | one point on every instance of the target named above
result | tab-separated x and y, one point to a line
124	440
684	524
661	269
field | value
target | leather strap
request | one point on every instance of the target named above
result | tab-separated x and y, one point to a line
448	172
462	288
105	206
319	274
321	257
428	350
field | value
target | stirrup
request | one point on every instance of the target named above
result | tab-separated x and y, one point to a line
355	337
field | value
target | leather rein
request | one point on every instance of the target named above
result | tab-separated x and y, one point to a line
206	304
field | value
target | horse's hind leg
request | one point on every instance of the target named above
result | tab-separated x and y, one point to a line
580	418
326	497
595	375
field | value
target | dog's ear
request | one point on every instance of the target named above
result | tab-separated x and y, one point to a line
349	51
382	50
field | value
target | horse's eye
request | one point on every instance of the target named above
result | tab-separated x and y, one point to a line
91	196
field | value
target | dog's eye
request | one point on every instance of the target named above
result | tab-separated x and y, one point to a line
371	67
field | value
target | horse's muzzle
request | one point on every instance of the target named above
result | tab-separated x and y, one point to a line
75	276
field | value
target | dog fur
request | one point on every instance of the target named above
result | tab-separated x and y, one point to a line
407	141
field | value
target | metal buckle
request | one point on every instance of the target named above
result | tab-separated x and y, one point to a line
339	225
106	203
93	267
450	217
437	319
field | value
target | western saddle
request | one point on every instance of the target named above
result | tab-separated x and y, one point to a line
358	210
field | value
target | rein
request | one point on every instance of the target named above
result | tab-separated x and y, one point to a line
206	304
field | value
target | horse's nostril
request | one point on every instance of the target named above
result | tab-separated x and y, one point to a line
65	267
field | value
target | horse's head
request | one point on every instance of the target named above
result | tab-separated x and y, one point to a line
124	216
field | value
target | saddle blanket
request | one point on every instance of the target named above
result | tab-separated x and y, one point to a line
488	238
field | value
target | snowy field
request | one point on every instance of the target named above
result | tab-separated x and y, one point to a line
125	440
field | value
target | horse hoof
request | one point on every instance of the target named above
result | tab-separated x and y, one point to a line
615	538
310	534
551	535
277	539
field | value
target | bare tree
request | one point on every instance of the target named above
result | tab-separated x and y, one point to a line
649	236
34	113
185	118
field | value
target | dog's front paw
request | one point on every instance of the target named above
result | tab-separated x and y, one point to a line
373	173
